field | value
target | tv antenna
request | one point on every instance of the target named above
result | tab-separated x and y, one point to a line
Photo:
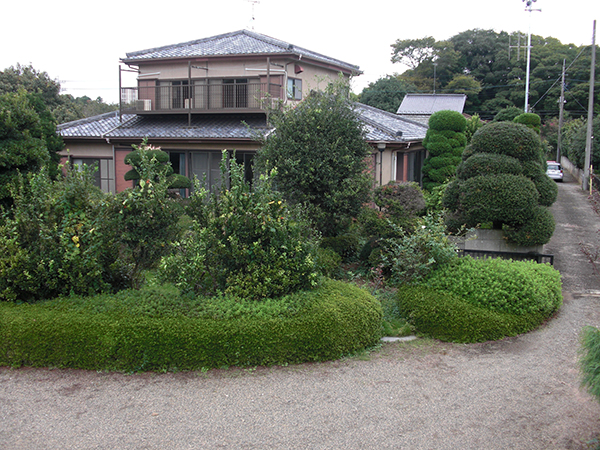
254	3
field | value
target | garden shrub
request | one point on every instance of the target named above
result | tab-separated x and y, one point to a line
445	141
246	242
328	262
137	331
507	138
530	120
447	317
410	257
515	287
539	229
400	199
589	360
502	181
54	241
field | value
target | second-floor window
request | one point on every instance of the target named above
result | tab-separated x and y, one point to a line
294	89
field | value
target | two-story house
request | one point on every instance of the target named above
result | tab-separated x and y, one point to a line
197	98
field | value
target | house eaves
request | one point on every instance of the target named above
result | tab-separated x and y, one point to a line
235	44
384	126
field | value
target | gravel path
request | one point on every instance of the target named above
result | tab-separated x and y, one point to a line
519	393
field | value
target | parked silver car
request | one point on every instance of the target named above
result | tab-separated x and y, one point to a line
555	171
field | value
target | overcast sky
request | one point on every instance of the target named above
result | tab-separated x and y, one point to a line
80	43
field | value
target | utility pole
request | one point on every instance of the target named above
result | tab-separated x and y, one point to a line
561	109
530	9
587	168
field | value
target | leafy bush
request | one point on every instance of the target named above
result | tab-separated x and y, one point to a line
244	242
410	258
400	199
445	316
507	114
328	262
537	231
589	360
514	196
54	243
507	138
530	120
482	164
141	331
515	287
445	142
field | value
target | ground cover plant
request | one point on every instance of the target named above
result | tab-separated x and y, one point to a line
157	329
474	300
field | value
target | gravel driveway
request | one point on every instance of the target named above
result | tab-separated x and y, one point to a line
519	393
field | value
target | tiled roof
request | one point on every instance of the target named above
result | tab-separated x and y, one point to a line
385	126
241	42
218	126
430	103
379	126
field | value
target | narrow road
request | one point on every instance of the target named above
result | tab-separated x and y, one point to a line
519	393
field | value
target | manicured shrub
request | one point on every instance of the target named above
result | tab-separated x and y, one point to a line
400	199
502	180
530	120
515	287
507	114
445	142
539	229
328	262
507	138
513	196
482	164
138	331
445	316
245	241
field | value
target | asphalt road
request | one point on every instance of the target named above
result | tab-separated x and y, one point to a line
519	393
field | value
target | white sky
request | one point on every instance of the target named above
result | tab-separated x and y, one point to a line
80	43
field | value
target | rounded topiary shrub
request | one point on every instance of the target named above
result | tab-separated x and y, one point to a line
154	331
448	120
507	138
537	231
547	189
531	120
502	198
482	164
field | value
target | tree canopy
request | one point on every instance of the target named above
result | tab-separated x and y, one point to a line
319	154
494	64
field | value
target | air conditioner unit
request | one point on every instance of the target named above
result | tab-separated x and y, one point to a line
144	105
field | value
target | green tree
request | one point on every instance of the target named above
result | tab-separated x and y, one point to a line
386	93
320	154
502	181
22	145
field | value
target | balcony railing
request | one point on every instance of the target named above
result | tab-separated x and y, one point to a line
198	98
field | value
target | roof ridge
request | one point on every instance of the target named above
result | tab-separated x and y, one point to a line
90	119
389	114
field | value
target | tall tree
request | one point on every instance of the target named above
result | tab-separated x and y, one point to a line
319	153
386	93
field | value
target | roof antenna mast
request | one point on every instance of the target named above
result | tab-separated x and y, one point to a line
529	8
254	3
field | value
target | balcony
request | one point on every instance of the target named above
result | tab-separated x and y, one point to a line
179	97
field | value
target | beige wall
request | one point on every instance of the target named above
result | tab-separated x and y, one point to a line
88	150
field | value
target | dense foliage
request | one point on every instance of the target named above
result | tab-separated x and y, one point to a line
502	181
155	330
245	241
574	142
61	107
386	93
445	141
54	241
474	300
496	61
589	360
320	155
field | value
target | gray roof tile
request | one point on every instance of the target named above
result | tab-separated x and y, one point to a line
385	126
241	42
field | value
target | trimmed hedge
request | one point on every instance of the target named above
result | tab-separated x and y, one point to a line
448	120
482	164
473	300
538	231
155	332
447	317
507	138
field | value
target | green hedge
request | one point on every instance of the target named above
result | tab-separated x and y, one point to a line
447	317
538	231
507	138
482	164
475	300
158	333
448	120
